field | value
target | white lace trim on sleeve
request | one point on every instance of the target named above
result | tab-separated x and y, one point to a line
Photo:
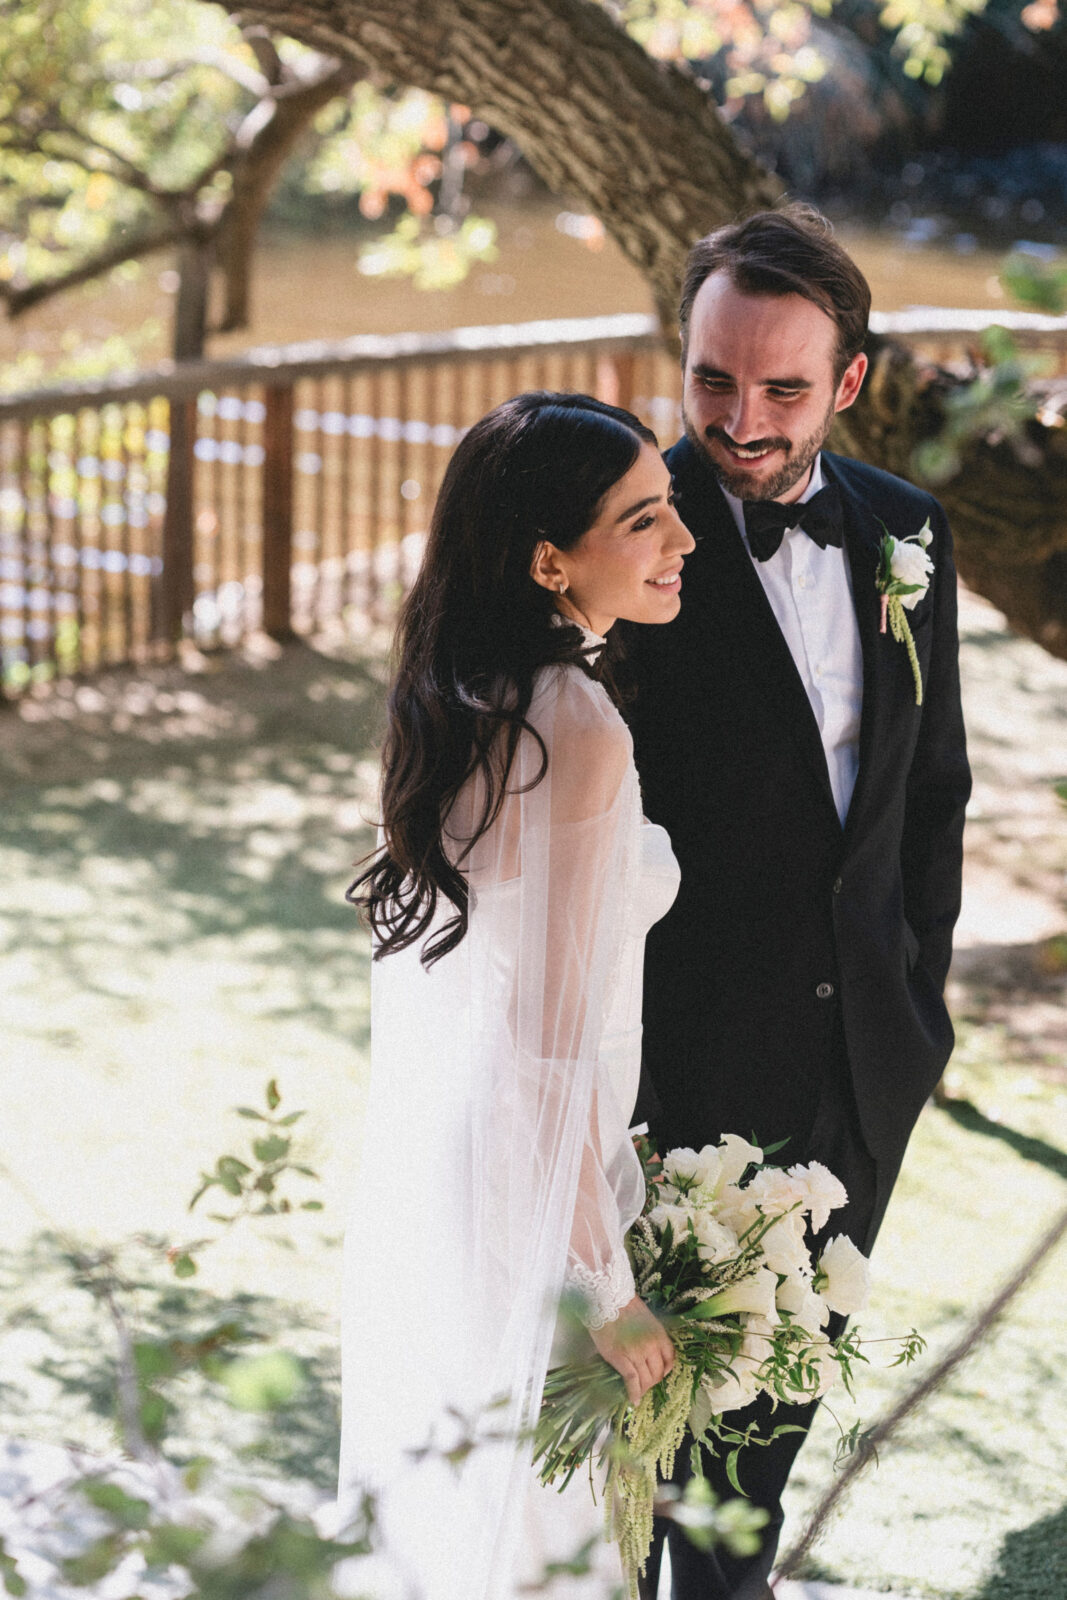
606	1291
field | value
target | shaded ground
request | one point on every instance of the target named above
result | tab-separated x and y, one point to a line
174	848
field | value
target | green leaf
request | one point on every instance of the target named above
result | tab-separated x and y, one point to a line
154	1413
184	1266
154	1359
195	1472
274	1098
731	1470
271	1148
173	1544
13	1581
256	1116
312	1205
263	1382
102	1557
293	1116
206	1184
125	1508
229	1172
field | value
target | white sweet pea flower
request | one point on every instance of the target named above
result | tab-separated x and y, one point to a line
821	1192
909	563
737	1154
737	1209
776	1191
829	1370
784	1250
848	1276
807	1309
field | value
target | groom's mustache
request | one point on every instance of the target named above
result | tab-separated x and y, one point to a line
747	444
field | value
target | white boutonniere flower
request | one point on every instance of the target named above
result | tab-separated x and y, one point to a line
904	571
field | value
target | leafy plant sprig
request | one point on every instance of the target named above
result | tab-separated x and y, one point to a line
254	1183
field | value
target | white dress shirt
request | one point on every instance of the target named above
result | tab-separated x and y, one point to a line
810	591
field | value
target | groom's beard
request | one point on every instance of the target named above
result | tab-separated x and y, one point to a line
799	456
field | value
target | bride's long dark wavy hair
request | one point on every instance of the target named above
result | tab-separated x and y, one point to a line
472	634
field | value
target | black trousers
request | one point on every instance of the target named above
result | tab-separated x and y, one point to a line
834	1138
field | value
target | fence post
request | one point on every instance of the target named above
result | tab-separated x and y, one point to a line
615	379
278	512
177	589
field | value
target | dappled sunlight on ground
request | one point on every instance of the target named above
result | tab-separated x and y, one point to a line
174	849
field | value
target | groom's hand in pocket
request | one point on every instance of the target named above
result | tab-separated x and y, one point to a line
636	1344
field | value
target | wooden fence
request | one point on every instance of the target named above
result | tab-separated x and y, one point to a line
285	491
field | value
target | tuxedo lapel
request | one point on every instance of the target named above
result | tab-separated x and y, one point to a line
721	580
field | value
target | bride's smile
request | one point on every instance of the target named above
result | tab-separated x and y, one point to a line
628	564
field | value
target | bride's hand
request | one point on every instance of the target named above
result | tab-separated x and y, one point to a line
637	1346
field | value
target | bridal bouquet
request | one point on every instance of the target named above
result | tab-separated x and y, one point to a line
719	1254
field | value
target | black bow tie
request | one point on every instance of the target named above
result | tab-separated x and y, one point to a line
767	520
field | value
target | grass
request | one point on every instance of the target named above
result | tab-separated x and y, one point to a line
173	853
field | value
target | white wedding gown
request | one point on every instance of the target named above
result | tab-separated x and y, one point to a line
498	1167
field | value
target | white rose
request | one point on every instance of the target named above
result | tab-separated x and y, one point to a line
679	1166
909	563
677	1216
731	1392
821	1192
686	1170
737	1154
716	1242
848	1276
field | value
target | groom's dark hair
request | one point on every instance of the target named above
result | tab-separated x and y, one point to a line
788	251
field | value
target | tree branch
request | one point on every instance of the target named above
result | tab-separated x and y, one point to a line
264	141
634	140
22	298
890	1424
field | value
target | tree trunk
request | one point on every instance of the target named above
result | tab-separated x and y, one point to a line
190	309
641	145
264	144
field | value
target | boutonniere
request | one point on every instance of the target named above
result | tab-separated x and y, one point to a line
904	571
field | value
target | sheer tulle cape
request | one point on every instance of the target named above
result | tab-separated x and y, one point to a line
496	1156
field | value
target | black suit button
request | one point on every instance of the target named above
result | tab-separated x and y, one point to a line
837	885
824	991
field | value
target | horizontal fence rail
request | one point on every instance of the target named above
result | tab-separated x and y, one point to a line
288	490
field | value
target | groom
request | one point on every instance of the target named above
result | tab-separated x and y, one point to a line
794	991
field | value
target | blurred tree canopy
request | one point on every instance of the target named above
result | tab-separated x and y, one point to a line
129	124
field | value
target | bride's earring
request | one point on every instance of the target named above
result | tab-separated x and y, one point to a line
563	587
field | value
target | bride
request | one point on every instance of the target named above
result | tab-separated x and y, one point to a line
509	903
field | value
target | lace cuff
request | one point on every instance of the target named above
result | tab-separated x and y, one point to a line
606	1292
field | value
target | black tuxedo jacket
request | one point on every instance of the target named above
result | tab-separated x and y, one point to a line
789	927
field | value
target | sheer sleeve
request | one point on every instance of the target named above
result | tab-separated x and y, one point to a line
551	885
497	1164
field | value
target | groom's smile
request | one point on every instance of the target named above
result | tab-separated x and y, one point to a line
761	387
